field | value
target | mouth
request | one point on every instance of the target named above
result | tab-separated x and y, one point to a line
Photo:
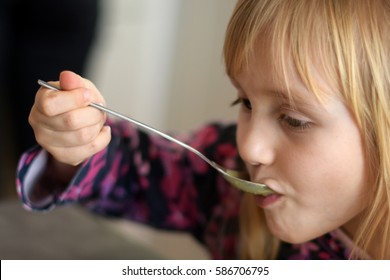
267	201
242	182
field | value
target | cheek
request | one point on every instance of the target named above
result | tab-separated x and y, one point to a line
333	177
325	192
351	178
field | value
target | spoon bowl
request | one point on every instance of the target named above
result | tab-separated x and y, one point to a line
235	178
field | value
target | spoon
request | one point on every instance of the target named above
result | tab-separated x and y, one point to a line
232	176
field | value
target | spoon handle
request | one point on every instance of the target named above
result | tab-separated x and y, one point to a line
138	123
229	175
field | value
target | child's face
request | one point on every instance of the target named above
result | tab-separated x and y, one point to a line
312	155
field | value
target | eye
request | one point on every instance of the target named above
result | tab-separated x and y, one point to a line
293	123
244	101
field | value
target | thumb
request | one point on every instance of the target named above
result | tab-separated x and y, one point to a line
70	80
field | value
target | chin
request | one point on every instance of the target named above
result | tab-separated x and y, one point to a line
295	239
291	236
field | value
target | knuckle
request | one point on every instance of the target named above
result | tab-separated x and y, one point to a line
85	136
48	106
70	120
94	146
99	143
31	119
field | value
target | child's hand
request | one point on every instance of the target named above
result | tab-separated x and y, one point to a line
64	124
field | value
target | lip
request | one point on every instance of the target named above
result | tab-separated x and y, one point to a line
272	184
269	200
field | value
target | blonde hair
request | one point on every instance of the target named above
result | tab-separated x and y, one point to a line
350	41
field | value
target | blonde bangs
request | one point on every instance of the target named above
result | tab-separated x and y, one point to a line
242	34
291	30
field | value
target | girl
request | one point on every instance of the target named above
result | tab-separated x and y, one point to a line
313	79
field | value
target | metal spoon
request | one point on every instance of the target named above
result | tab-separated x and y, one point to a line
231	176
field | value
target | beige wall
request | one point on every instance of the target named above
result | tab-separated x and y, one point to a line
160	61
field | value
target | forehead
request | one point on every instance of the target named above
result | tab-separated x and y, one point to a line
275	68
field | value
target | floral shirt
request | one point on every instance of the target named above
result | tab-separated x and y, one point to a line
151	180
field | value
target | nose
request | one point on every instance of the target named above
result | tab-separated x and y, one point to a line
256	143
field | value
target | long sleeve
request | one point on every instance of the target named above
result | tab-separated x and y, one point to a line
151	180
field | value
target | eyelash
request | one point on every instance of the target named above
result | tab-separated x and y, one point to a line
292	123
243	101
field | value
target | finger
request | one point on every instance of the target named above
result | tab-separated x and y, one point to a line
52	103
68	139
69	121
78	154
70	81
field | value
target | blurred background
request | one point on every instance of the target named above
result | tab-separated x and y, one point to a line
157	61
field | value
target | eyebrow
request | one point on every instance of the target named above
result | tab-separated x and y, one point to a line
299	102
288	92
293	98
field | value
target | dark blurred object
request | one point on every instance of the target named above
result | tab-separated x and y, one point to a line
38	39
